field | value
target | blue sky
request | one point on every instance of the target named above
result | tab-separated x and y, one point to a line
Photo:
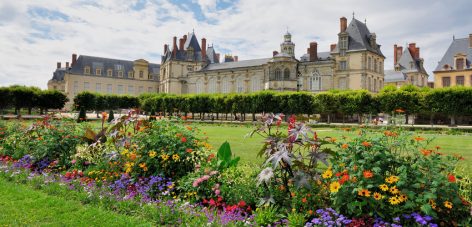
34	35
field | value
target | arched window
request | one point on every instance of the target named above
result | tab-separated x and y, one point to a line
212	85
278	74
369	63
225	85
315	81
369	84
375	85
375	65
256	83
286	74
199	86
239	85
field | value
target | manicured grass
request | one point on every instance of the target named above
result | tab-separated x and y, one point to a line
247	148
23	206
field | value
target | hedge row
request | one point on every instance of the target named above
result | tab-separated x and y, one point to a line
19	97
453	102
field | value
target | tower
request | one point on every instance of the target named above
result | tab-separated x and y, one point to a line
288	47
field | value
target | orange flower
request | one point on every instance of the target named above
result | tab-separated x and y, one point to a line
310	212
344	146
368	174
419	138
366	144
132	156
183	139
344	178
451	178
292	194
364	192
189	150
332	139
426	152
304	200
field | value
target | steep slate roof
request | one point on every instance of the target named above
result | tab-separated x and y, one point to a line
236	64
183	54
394	76
359	37
457	46
405	65
212	55
321	56
104	64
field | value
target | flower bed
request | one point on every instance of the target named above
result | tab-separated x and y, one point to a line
160	167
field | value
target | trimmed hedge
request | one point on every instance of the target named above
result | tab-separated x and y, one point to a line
19	97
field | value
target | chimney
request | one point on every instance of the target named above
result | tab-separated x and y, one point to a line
174	47
235	58
59	65
313	51
181	44
395	56
274	53
204	49
417	53
185	38
308	50
74	59
166	47
343	24
412	49
470	40
332	47
217	57
67	65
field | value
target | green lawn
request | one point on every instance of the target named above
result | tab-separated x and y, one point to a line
247	148
23	206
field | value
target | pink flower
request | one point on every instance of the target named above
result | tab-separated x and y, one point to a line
217	185
205	178
73	162
213	173
217	191
195	183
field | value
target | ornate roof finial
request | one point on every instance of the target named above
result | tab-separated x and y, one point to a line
193	30
365	21
353	14
453	37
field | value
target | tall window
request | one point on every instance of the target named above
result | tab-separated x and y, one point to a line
369	84
375	85
130	89
98	87
369	63
342	83
460	80
286	74
240	85
460	63
109	72
199	86
446	81
109	88
375	65
76	87
212	85
342	65
278	74
225	85
141	74
98	72
86	86
120	89
315	82
255	83
87	70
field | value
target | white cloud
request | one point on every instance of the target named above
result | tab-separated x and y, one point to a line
247	28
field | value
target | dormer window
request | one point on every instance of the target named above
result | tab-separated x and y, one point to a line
460	63
141	74
98	72
87	70
109	72
130	74
120	73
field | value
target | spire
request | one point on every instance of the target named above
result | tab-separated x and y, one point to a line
353	15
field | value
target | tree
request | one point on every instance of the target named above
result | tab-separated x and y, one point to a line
51	99
84	100
6	100
327	103
23	97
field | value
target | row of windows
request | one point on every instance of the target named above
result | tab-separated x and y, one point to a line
374	65
460	81
108	88
225	85
98	72
278	74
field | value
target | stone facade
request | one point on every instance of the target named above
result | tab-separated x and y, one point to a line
455	68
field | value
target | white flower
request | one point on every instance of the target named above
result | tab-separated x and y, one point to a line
265	175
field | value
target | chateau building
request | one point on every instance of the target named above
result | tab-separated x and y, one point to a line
104	75
455	67
354	62
408	67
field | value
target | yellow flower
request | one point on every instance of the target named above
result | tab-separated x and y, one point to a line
124	152
152	154
165	157
334	187
392	179
383	187
448	205
394	200
394	190
377	196
175	157
402	197
327	174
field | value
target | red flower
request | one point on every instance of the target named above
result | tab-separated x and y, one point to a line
338	174
451	178
304	200
368	174
212	202
183	139
205	201
344	178
366	144
189	150
241	203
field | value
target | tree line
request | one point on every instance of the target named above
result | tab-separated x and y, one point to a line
410	100
23	97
